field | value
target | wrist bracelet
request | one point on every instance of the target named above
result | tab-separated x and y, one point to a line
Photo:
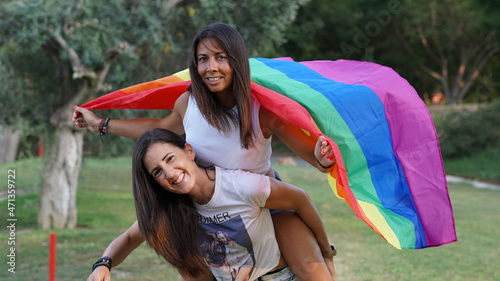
326	168
103	127
104	261
331	253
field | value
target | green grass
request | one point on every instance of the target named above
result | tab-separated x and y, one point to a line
363	255
105	210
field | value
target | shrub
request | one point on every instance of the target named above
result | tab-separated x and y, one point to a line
467	133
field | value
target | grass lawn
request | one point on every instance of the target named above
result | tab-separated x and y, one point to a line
106	209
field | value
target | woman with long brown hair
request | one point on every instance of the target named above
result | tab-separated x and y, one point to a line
175	198
228	128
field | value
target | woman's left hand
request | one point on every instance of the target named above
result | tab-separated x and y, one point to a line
324	154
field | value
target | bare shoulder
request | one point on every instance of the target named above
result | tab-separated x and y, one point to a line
269	122
181	104
173	121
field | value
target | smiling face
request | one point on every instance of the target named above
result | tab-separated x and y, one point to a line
172	167
214	67
222	238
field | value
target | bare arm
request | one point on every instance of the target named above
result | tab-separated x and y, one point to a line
134	128
314	152
286	196
124	244
118	250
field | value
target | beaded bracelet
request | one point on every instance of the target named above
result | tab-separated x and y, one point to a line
104	261
103	127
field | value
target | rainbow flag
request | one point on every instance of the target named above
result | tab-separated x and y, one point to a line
389	167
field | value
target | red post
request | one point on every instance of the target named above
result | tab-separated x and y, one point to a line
52	257
40	147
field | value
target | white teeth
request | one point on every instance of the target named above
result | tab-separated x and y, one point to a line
214	79
179	179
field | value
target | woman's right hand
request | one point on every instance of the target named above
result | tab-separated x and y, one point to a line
84	118
100	273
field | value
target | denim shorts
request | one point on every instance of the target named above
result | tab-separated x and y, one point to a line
274	211
282	274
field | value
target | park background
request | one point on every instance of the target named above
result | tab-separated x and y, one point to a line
55	54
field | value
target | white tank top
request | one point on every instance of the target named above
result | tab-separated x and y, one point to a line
224	150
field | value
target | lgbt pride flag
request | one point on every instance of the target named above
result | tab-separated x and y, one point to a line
389	167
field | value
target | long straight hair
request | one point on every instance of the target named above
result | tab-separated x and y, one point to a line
167	220
214	112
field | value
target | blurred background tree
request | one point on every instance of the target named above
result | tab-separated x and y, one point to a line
57	54
450	46
451	41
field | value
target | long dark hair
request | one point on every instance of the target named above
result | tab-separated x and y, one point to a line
215	113
167	220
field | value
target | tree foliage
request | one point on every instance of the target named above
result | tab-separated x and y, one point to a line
261	23
154	38
451	41
45	76
319	30
62	53
447	45
465	133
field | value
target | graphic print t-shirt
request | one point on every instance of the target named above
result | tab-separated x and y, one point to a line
236	232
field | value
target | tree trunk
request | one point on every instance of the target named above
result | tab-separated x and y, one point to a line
58	197
62	170
9	142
